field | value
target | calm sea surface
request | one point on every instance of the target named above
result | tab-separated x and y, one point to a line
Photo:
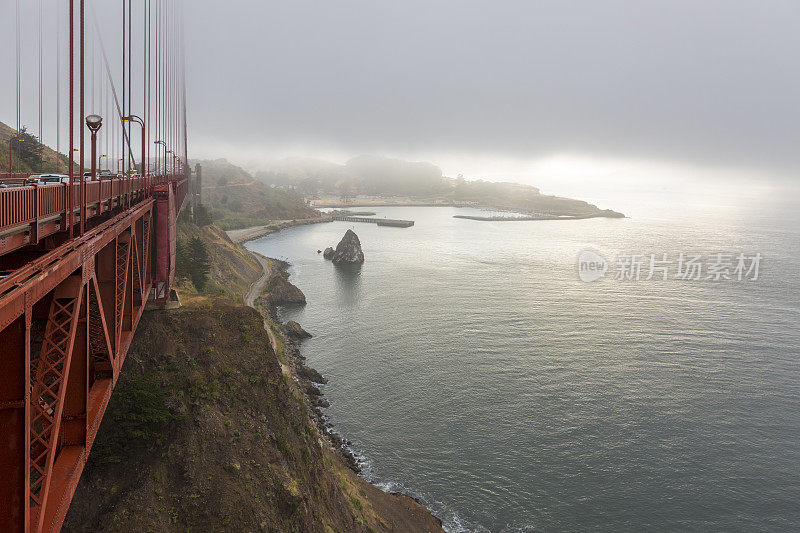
474	370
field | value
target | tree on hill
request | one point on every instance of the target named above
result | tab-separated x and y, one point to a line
193	262
30	148
25	147
203	216
33	156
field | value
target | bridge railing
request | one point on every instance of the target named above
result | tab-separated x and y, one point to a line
50	200
17	206
28	204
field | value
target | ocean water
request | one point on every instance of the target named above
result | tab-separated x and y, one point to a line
472	368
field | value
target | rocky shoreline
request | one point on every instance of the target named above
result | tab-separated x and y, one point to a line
292	335
278	292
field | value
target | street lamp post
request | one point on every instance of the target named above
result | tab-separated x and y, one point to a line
11	155
18	140
138	120
165	156
173	161
93	122
100	176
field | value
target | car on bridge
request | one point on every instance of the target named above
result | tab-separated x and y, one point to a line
46	179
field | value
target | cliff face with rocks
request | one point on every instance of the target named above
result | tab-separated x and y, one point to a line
208	430
348	250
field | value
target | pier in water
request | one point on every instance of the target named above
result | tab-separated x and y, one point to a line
379	221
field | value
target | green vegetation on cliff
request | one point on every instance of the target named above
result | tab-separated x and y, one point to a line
231	268
237	200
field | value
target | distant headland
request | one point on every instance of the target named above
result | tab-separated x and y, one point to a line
372	181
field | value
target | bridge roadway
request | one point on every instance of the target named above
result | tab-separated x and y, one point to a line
29	214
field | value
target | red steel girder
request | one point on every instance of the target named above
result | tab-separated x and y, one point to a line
48	380
100	345
55	381
122	258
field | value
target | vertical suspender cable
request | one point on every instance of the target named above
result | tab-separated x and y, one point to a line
159	77
104	107
157	134
58	88
173	114
170	46
19	101
158	81
41	85
149	76
167	34
145	118
70	193
91	74
118	115
130	97
183	91
124	75
165	82
82	54
173	91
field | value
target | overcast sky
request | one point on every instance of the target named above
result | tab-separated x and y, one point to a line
464	84
713	82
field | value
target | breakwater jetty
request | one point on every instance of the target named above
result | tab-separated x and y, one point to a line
379	221
602	214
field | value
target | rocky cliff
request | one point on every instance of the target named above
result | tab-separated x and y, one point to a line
207	430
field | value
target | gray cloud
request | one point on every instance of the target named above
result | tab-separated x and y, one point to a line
712	82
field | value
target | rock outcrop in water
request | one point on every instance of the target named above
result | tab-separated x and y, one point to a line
328	253
280	290
294	330
348	250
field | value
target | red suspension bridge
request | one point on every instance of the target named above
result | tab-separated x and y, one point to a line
86	247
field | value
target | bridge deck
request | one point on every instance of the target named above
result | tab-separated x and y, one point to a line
30	213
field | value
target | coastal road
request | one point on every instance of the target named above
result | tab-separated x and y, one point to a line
254	292
231	185
257	287
248	234
241	235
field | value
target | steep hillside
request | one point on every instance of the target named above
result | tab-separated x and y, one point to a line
232	268
29	163
238	200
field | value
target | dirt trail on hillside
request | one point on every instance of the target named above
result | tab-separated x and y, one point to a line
254	292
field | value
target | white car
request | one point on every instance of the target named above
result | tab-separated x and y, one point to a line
47	179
